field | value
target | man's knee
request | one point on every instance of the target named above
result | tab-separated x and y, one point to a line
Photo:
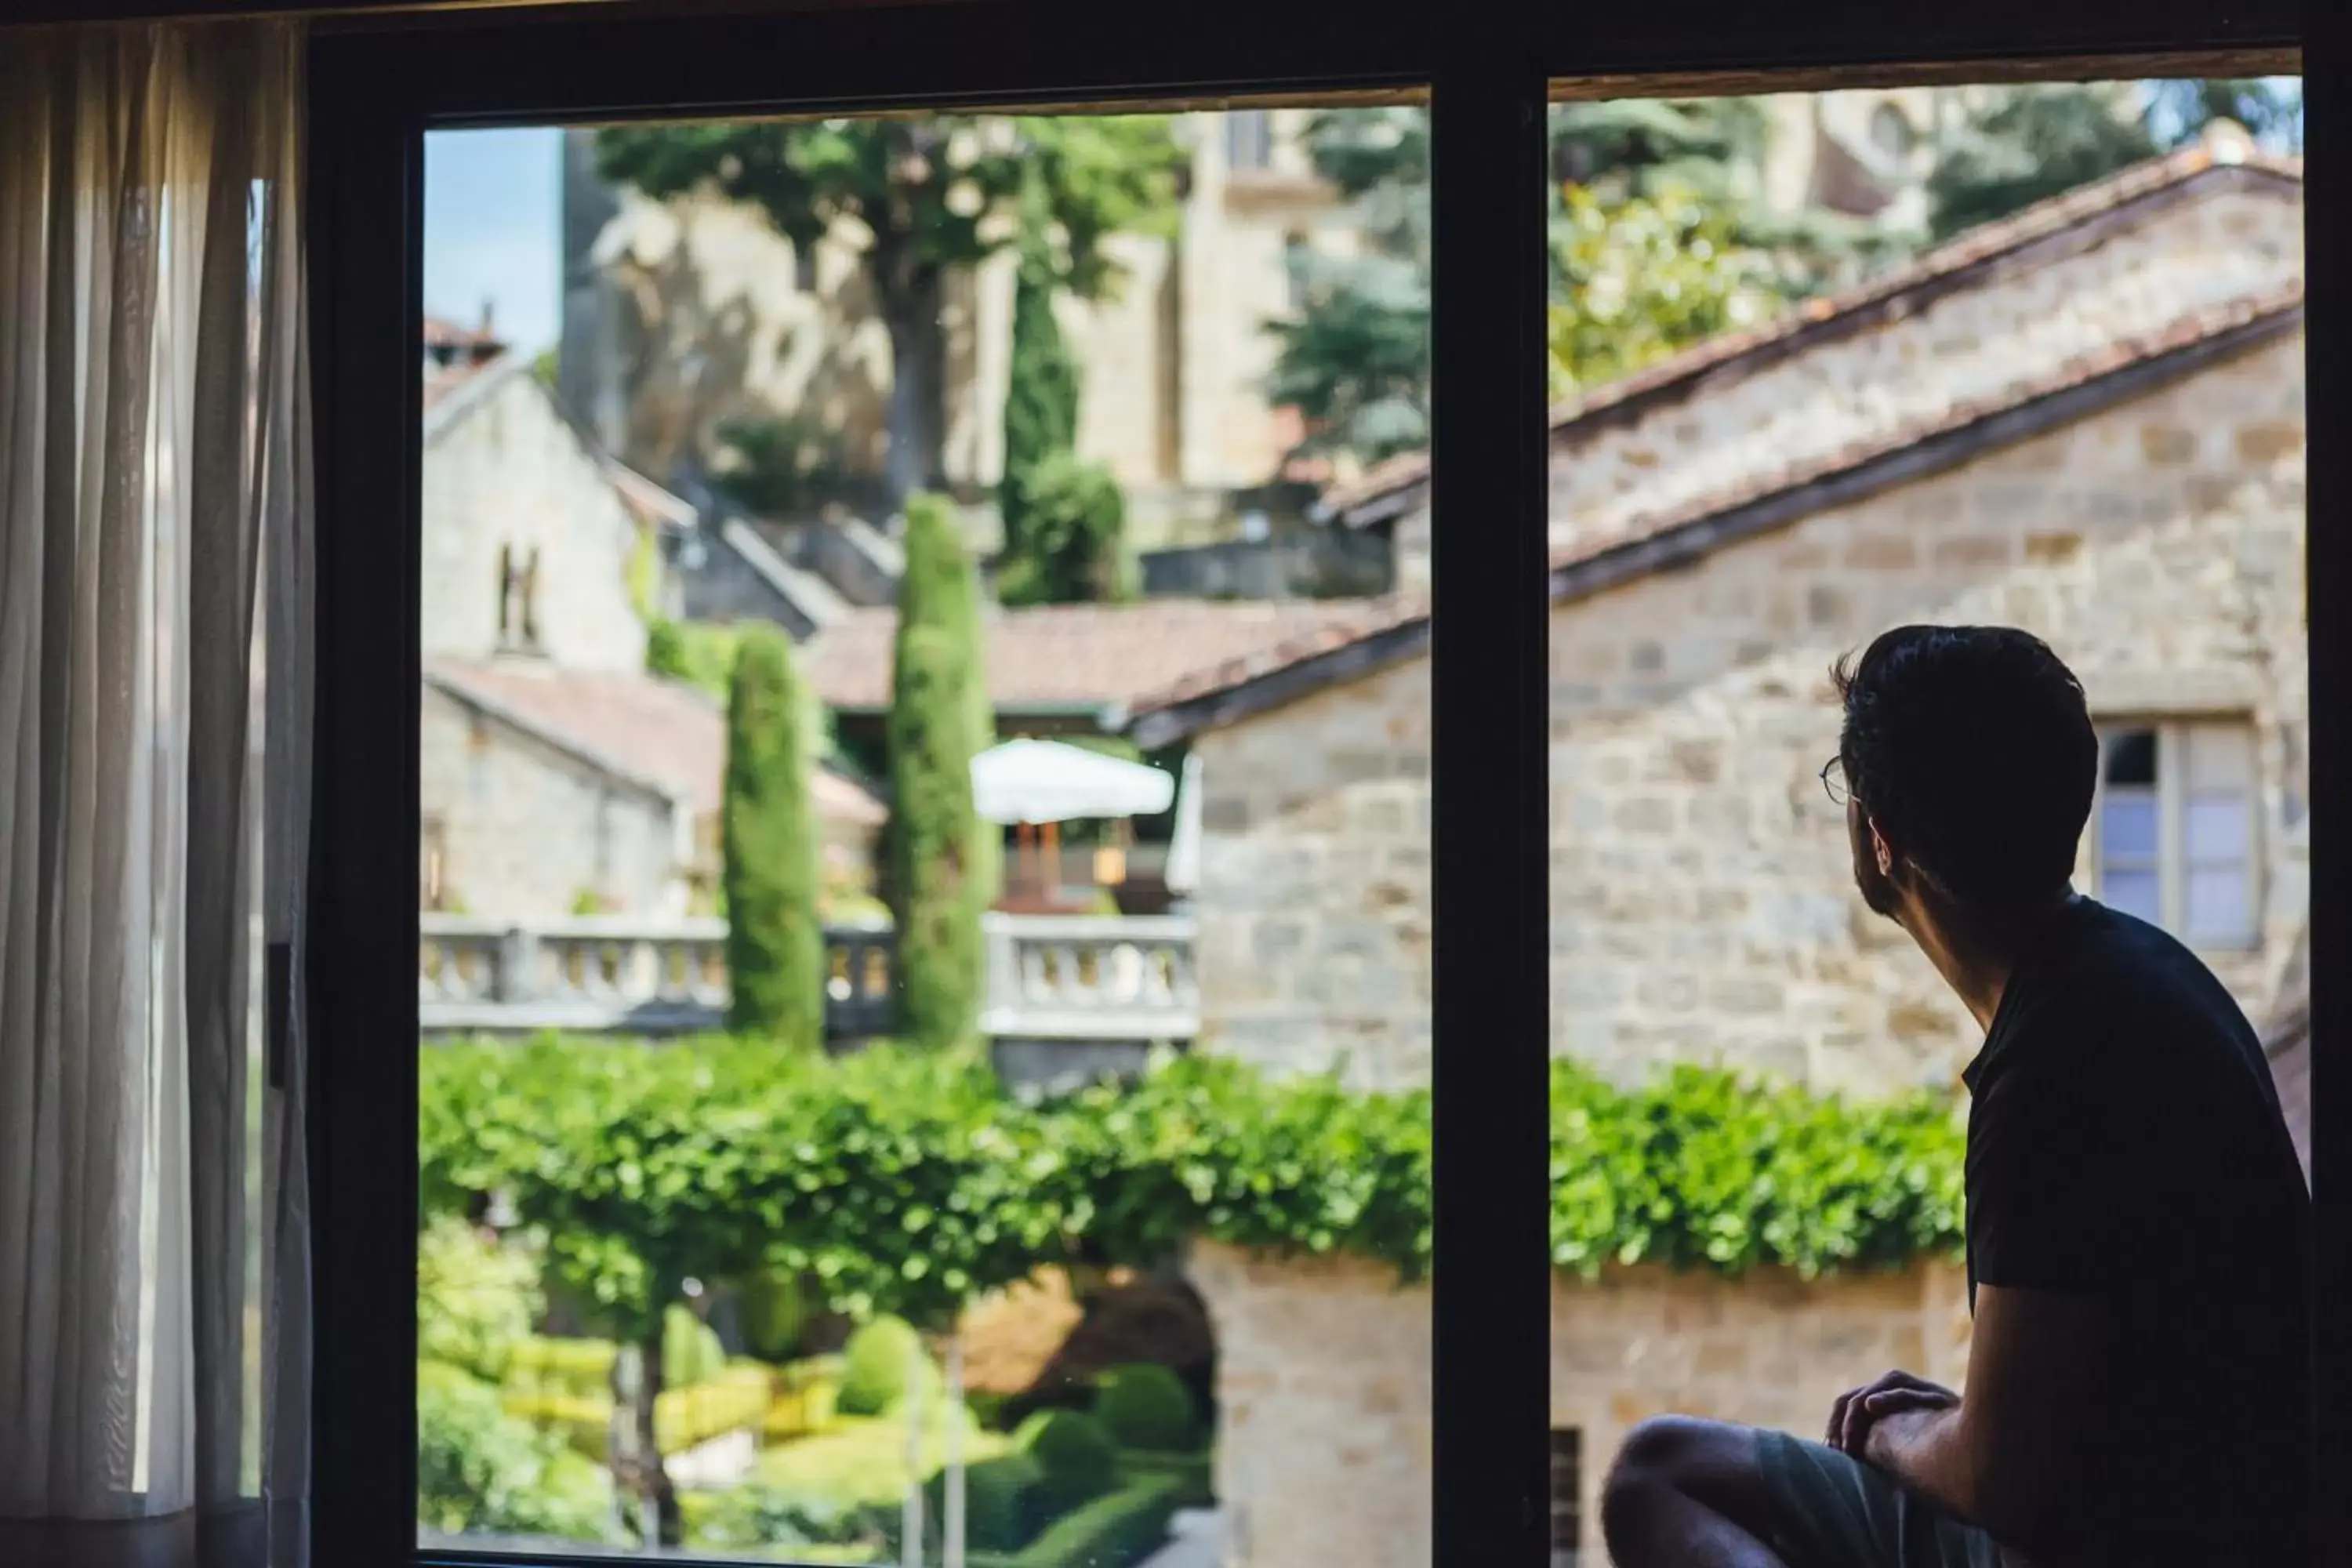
1677	1459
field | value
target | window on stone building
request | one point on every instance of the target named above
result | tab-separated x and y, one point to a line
2173	831
1891	132
1566	1496
432	864
1249	140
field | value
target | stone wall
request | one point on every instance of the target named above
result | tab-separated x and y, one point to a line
1314	901
502	470
1702	899
1323	1382
527	828
2229	243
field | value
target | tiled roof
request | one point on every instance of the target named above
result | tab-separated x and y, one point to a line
2196	330
1930	267
1059	658
443	381
2184	332
660	734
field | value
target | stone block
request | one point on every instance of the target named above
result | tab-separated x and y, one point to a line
2270	441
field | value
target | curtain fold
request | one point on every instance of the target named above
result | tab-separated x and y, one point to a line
155	706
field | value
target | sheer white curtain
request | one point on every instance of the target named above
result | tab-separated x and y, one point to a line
154	698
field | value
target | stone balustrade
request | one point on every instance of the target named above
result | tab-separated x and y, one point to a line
1124	982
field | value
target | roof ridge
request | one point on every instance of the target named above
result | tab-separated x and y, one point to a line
1986	242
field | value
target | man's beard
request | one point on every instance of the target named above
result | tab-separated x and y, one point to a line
1878	888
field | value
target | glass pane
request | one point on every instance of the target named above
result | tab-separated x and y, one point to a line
2127	826
2131	758
2219	907
2220	757
2137	893
1771	320
1052	1164
2218	828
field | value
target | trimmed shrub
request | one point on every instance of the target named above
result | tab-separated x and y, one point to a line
776	943
1146	1406
1041	397
934	829
1077	1458
691	1351
773	1314
873	1379
1115	1530
1000	1502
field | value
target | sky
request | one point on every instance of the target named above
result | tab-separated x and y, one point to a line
492	230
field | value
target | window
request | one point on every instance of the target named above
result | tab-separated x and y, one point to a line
1891	132
2174	833
432	864
1249	140
1566	1496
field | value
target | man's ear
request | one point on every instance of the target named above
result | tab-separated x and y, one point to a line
1882	849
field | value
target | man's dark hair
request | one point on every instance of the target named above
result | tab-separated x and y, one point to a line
1972	749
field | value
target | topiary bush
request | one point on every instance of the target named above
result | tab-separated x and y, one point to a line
1001	1502
1115	1530
1146	1406
691	1351
874	1377
1076	1455
773	1312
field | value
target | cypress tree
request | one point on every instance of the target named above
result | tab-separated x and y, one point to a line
940	859
1041	403
775	941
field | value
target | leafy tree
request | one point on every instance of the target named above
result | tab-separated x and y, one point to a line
1354	357
930	194
1075	548
938	870
1636	280
2029	142
1041	403
775	941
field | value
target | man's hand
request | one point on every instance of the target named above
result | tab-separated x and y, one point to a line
1857	1411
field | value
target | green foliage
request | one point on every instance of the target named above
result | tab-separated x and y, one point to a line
1636	280
939	870
1146	1406
696	652
774	1312
775	939
476	1300
757	1517
930	194
2029	143
1076	1458
478	1469
1117	1529
692	1352
861	1462
1195	1471
898	1181
880	1356
1073	547
1003	1502
1041	399
777	467
730	1400
2032	142
1354	358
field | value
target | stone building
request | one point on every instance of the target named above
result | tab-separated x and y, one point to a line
681	317
2087	420
558	777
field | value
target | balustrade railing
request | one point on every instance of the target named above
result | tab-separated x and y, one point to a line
1050	977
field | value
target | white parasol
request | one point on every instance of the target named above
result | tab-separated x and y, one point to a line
1035	782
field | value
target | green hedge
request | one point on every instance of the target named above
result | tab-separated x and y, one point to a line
897	1182
1115	1530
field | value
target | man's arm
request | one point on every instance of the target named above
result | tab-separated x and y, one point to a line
2011	1453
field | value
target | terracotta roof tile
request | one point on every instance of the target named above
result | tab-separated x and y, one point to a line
2184	332
1361	621
1060	657
2188	331
1978	244
659	732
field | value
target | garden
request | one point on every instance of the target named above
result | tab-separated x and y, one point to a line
587	1201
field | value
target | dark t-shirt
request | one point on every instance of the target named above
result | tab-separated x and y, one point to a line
2125	1141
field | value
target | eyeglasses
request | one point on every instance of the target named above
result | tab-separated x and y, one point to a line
1833	780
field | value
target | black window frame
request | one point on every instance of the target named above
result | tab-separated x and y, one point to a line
380	81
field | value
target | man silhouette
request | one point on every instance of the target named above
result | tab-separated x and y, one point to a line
2138	1247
